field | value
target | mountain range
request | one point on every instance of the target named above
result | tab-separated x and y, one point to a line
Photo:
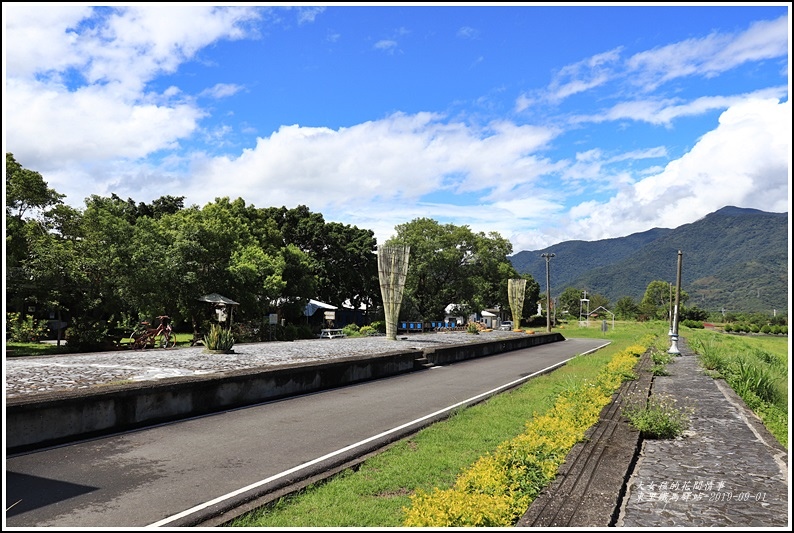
733	260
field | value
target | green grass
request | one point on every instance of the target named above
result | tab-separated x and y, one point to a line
375	494
27	349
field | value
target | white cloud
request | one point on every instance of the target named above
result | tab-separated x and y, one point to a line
711	55
467	32
400	158
309	14
90	124
222	90
583	76
386	44
743	162
707	57
664	112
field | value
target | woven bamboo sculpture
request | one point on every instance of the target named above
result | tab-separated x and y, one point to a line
515	296
392	270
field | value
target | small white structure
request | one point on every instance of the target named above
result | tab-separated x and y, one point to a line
314	305
489	319
449	317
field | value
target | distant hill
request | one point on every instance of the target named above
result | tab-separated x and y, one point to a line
734	258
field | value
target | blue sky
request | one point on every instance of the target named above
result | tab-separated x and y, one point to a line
544	123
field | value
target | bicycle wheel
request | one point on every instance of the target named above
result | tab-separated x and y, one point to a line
138	340
167	340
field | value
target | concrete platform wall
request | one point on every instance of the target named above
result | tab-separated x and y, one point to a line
55	418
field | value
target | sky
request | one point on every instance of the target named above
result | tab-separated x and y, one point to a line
543	123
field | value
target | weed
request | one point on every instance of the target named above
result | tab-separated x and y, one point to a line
657	417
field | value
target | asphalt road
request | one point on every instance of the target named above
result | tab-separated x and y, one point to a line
189	473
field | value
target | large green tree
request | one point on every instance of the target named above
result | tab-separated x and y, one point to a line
659	300
28	200
452	264
343	257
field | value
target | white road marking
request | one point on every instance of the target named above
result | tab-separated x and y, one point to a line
245	489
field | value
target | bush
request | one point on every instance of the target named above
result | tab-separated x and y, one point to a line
367	331
219	338
351	330
694	324
87	335
379	326
656	417
25	329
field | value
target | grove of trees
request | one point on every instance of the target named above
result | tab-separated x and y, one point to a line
104	267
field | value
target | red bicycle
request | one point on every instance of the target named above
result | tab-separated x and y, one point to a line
146	337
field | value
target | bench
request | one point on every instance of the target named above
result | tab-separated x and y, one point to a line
331	333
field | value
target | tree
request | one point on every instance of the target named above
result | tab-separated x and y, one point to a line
26	190
626	308
28	202
656	303
453	265
569	302
343	258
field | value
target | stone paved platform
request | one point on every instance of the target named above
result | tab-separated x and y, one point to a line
728	471
35	375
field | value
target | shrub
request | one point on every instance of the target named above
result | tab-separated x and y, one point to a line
219	338
379	326
351	330
656	417
85	334
367	331
710	356
694	324
25	329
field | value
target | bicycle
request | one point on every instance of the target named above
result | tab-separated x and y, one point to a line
144	337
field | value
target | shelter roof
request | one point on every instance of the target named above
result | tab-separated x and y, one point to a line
216	298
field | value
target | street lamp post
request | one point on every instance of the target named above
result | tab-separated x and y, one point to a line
548	315
674	329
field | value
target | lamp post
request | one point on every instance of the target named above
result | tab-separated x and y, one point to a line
548	315
674	329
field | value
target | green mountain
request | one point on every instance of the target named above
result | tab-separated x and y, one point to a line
734	259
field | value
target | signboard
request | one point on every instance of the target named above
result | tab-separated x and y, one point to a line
273	319
330	315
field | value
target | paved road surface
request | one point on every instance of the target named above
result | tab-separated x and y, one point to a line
186	472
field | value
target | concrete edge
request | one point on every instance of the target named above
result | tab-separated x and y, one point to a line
50	419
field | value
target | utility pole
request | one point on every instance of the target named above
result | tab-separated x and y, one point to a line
548	300
670	310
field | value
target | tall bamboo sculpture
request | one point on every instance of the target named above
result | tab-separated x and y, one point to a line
515	296
392	270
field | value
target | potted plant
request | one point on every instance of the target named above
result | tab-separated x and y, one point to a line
219	340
